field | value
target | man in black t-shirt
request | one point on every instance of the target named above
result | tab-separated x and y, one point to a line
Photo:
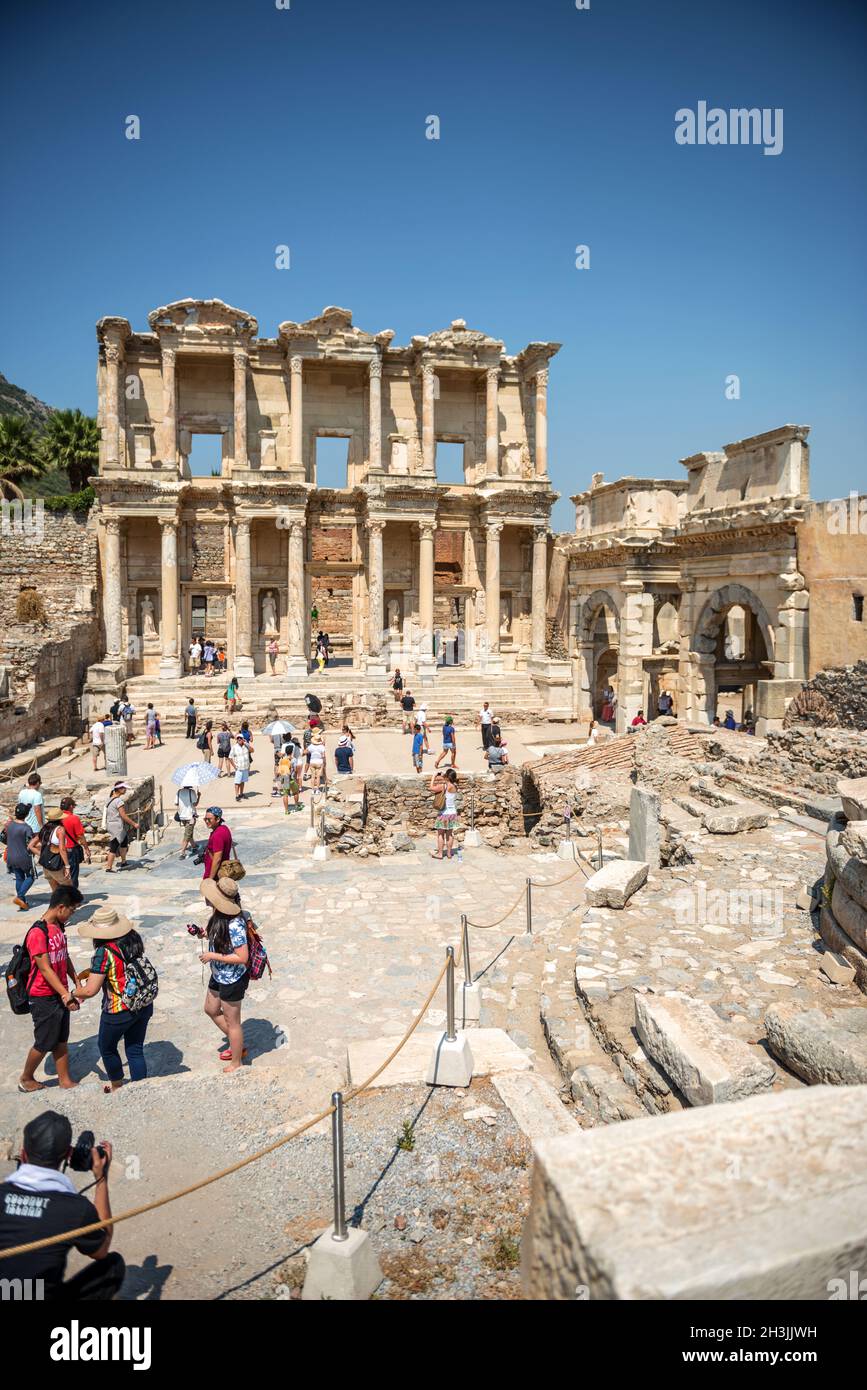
39	1200
407	704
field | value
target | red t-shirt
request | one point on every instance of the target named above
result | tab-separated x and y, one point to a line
73	827
47	938
220	839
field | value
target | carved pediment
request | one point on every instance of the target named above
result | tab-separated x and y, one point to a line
204	315
333	328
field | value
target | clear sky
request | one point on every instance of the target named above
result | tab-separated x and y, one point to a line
306	126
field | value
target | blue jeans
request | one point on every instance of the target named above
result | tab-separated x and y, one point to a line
130	1027
24	881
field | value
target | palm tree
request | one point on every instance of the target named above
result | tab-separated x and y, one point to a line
19	454
71	442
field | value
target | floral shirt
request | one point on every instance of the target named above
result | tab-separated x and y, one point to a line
231	974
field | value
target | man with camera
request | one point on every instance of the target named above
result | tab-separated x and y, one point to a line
39	1200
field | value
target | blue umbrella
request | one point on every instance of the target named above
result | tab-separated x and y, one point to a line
194	774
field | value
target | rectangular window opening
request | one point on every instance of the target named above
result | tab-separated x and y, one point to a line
332	462
205	458
858	607
450	463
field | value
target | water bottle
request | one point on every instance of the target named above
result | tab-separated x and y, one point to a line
460	854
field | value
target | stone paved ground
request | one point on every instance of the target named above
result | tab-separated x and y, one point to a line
354	944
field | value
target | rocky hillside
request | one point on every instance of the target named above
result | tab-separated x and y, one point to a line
16	401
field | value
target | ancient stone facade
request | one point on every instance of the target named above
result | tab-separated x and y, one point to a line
399	566
699	587
50	560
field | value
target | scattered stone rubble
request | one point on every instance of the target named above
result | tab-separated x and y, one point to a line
389	814
843	911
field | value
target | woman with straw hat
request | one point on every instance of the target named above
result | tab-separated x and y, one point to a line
128	981
227	955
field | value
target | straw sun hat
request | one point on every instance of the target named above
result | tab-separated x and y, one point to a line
221	894
106	924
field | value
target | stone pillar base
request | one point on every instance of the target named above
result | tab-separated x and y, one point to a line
451	1063
342	1270
170	668
296	668
243	667
472	839
492	664
375	666
321	853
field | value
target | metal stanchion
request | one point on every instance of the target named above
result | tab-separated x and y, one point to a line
465	933
339	1232
529	907
472	811
451	1031
598	848
322	827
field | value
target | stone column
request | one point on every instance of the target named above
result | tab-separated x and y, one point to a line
374	592
296	608
540	590
492	587
243	600
492	423
426	532
582	676
296	459
169	432
636	642
115	750
542	423
111	593
239	359
428	423
375	409
112	398
170	663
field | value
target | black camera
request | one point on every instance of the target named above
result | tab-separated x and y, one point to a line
81	1157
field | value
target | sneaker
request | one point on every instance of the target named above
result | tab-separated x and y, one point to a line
20	904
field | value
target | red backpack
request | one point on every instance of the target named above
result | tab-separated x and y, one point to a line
258	962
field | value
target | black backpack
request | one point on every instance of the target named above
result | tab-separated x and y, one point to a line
202	741
49	858
17	975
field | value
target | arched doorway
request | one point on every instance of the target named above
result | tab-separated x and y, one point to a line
599	640
735	630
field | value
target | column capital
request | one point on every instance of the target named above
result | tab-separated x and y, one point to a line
375	525
240	357
242	524
427	530
492	375
541	531
542	377
113	354
493	529
296	364
374	368
166	521
112	525
168	354
427	371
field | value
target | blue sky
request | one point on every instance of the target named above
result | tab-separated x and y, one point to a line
306	126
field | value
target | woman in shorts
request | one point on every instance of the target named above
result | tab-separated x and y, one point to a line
228	954
450	742
444	786
289	775
316	760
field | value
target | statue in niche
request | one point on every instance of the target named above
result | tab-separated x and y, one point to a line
393	616
148	626
505	614
269	615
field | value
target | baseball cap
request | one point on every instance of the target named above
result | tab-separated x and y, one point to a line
47	1139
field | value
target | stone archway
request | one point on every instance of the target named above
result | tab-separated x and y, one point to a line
707	638
596	649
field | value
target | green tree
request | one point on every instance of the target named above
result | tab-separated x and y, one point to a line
20	455
71	442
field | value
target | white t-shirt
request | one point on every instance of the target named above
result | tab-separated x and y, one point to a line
240	756
186	800
486	716
97	734
317	753
421	717
195	651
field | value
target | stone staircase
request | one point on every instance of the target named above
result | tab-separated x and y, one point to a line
512	695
